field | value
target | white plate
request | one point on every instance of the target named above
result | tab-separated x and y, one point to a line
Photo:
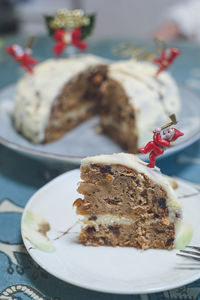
83	140
106	269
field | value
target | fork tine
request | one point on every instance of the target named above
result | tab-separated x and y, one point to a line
193	247
189	256
190	252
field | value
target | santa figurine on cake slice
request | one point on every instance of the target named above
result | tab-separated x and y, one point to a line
162	139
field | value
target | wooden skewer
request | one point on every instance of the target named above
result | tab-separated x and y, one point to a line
30	41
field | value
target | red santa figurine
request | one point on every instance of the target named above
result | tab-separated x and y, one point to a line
22	56
166	59
159	143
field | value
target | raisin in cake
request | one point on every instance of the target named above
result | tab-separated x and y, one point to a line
126	203
130	101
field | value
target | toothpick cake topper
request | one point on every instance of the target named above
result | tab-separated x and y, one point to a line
162	139
70	27
167	55
23	56
126	49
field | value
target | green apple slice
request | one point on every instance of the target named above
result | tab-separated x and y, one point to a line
183	236
34	229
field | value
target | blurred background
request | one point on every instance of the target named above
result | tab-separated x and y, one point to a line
116	18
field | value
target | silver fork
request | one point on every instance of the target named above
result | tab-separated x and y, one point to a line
195	255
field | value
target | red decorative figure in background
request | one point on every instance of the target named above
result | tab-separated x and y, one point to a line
166	59
64	38
22	56
159	143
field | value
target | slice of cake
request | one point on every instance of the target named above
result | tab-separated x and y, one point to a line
126	203
61	94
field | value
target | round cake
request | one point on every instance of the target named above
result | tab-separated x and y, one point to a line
62	93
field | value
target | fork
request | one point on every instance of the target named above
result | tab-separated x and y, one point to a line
195	255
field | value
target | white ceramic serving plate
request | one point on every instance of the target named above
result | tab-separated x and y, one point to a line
83	140
107	269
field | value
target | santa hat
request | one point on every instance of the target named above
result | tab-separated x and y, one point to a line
15	50
175	51
176	135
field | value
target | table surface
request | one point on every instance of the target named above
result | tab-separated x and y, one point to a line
20	177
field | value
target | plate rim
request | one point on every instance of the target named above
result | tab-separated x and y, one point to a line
43	155
87	286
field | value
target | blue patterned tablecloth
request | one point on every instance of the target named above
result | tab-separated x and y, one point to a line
20	177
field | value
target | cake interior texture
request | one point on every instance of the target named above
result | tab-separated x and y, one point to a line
117	116
78	101
90	93
124	207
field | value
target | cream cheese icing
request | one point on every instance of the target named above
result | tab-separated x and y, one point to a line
133	162
107	219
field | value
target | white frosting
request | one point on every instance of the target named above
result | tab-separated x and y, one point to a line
133	162
107	219
152	98
36	93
